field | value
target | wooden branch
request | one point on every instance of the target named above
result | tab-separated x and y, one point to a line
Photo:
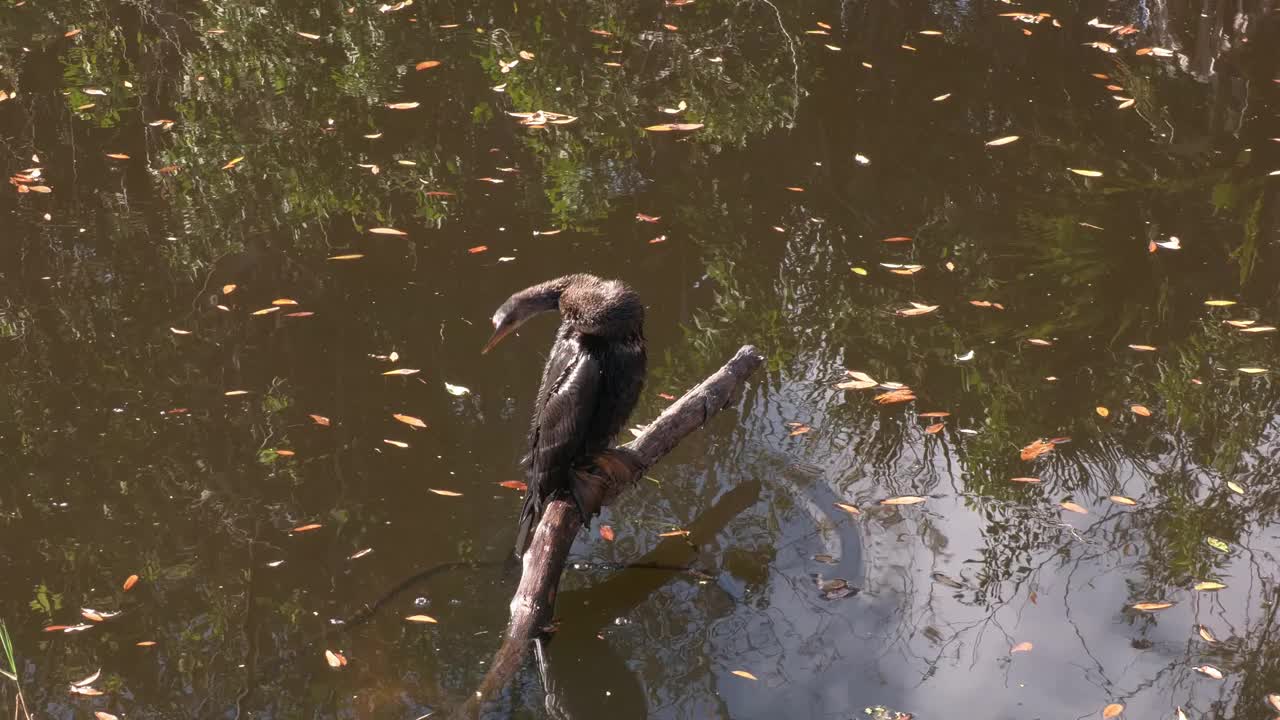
612	473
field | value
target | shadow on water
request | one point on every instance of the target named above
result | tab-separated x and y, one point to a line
198	311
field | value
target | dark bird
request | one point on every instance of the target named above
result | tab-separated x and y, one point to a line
590	384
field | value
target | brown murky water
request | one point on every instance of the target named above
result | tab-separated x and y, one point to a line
827	129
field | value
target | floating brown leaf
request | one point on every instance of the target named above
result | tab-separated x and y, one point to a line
427	65
1140	410
934	428
1151	606
674	533
895	396
1073	507
320	420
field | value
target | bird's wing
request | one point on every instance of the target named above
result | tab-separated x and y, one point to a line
568	405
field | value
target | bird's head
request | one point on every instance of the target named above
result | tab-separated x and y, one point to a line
523	305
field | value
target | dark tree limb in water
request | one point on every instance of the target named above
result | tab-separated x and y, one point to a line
613	472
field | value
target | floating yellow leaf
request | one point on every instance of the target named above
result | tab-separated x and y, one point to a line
1219	303
675	127
233	162
396	443
100	715
421	619
1235	487
917	309
445	493
1003	140
427	65
1143	348
228	289
674	533
1122	500
353	256
387	231
118	156
1086	173
1209	585
234	393
903	500
851	509
1102	411
1209	671
1207	635
1073	507
335	660
1140	410
178	331
1252	370
265	311
1151	606
402	105
402	371
745	674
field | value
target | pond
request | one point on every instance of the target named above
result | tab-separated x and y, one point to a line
1013	268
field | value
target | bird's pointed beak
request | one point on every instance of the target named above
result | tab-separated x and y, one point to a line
498	333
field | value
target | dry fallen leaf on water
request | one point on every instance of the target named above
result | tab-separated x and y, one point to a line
129	582
396	443
402	371
307	528
235	393
1024	480
445	493
387	231
1140	410
1102	411
85	681
335	660
265	311
456	390
1209	671
745	674
1207	635
118	156
851	509
934	414
307	35
1151	606
1252	370
1219	303
1003	140
424	619
895	396
934	428
1122	500
917	309
897	239
1086	173
1235	487
674	533
606	533
1209	586
1073	507
233	162
1036	449
1143	348
353	256
903	500
1021	647
1039	342
402	105
145	643
799	429
409	420
427	65
359	554
100	715
178	331
285	453
514	485
1113	710
675	127
477	249
320	420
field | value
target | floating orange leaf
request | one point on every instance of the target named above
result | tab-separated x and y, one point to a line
1021	647
409	420
129	582
427	65
1024	480
1113	710
233	162
898	239
1036	449
514	485
934	428
895	396
402	105
606	532
320	420
1102	411
307	528
1140	410
145	643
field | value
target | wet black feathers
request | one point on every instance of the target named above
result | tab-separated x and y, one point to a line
590	385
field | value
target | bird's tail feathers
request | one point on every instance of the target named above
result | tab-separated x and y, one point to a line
530	514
